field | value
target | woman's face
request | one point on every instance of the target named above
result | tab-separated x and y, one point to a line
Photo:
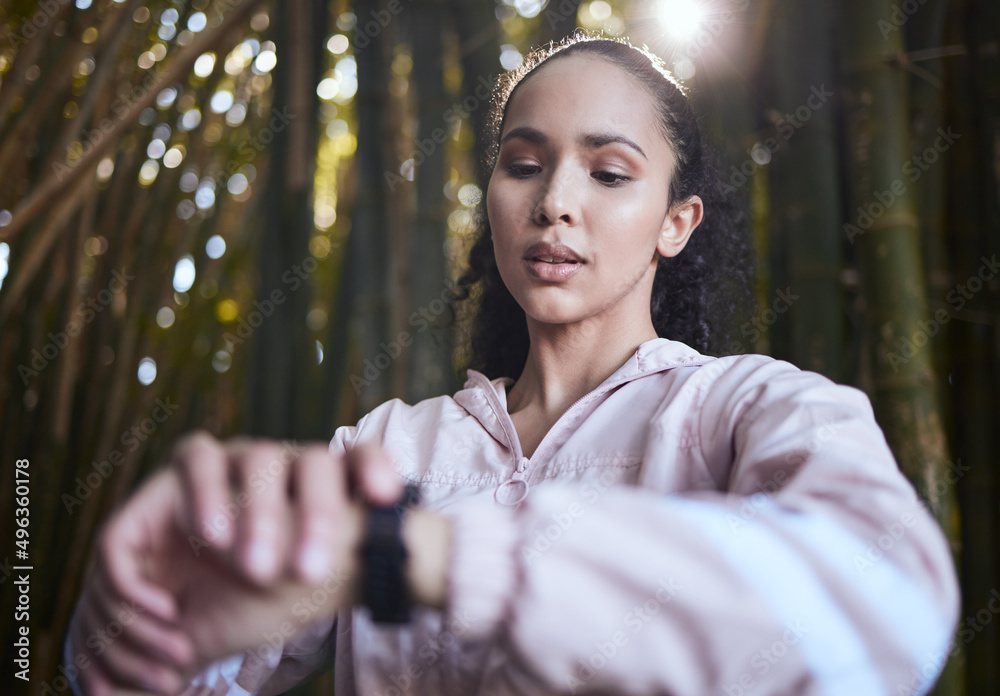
583	167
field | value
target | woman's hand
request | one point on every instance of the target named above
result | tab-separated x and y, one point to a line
275	506
215	549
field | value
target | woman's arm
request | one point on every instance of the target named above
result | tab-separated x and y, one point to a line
818	571
181	552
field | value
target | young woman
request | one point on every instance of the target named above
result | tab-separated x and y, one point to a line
604	507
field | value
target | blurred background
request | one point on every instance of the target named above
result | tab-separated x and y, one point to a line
247	215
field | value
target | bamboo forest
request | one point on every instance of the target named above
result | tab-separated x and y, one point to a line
249	216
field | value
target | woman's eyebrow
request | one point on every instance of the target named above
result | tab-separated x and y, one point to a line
602	139
592	140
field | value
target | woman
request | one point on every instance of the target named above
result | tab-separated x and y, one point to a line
608	511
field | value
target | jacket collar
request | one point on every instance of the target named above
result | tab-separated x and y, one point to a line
486	399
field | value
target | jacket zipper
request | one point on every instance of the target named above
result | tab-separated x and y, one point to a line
515	489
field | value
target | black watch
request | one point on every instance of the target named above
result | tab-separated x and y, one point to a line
384	588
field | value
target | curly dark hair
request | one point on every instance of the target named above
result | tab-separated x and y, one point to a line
699	296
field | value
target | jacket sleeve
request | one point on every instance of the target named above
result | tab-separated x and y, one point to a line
816	570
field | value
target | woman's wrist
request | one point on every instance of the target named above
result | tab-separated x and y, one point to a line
427	536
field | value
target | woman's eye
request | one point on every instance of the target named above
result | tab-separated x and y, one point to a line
522	171
610	178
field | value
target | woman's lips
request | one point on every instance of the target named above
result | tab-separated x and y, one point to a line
552	262
552	272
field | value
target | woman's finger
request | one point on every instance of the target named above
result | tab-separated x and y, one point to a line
144	632
132	670
320	491
125	539
262	532
203	464
95	681
372	472
113	659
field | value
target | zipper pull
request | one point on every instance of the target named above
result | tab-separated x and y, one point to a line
515	490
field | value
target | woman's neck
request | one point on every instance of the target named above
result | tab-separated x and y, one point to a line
566	362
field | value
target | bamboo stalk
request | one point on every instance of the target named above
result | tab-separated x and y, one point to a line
279	378
40	246
476	24
372	310
97	85
179	67
877	103
68	367
925	33
16	78
428	368
888	245
48	88
805	171
973	232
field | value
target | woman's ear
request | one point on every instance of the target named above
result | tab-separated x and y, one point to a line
681	221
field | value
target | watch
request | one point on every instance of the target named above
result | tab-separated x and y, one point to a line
383	554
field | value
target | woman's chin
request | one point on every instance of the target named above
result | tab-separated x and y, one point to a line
552	316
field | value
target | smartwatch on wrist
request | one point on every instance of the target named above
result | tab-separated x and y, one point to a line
383	555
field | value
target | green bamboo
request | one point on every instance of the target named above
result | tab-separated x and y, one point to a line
371	319
973	234
884	230
77	407
805	175
925	36
479	36
281	349
429	367
883	227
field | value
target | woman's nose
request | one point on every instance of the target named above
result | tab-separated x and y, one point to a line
557	200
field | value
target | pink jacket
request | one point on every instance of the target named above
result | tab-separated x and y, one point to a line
692	526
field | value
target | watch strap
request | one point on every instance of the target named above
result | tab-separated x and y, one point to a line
385	590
